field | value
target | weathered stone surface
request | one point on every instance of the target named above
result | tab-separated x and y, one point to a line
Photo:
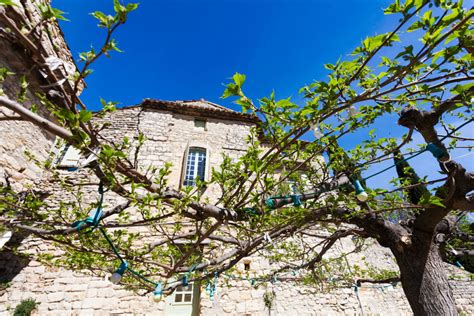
62	292
87	295
55	297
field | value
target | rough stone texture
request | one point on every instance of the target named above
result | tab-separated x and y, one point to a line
18	136
62	292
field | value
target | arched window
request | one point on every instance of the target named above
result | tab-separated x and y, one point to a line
195	166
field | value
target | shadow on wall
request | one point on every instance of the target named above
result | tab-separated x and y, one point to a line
11	261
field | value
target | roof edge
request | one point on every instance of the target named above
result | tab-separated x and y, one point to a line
180	107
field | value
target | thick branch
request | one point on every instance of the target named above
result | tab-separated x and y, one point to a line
43	123
406	173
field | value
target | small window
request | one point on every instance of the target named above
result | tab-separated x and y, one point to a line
5	238
68	157
247	266
195	166
183	294
200	124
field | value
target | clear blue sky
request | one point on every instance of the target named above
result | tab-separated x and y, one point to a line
180	49
186	49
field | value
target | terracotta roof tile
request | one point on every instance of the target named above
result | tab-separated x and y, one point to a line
200	108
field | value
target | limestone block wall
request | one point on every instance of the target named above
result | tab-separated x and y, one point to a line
168	135
18	136
63	292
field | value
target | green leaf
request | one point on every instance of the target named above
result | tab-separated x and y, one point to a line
231	90
245	103
452	17
7	3
407	53
112	45
372	43
4	72
427	200
131	6
34	108
85	116
48	12
23	89
108	106
239	79
286	104
117	6
329	66
104	20
415	26
393	8
461	88
434	200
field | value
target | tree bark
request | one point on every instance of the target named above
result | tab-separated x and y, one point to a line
423	277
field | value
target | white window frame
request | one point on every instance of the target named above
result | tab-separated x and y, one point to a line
189	148
180	289
64	155
68	157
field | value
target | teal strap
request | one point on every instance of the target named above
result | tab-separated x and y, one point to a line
93	221
435	150
459	265
358	187
121	269
250	211
214	287
158	289
270	203
184	280
296	199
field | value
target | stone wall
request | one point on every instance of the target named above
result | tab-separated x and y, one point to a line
63	292
18	136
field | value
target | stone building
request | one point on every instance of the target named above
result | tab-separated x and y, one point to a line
43	59
192	135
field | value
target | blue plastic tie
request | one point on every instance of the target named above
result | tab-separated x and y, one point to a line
213	287
250	211
459	265
121	269
158	289
296	199
94	221
208	288
358	187
184	281
270	203
435	150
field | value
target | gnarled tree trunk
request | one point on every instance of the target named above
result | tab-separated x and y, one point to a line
423	277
